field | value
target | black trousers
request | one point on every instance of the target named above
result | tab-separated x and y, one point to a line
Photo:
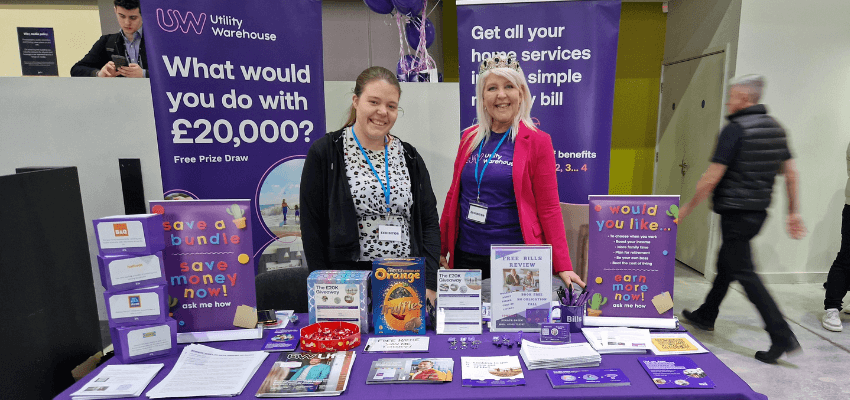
464	260
735	263
839	274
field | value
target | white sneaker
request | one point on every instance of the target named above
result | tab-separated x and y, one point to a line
831	321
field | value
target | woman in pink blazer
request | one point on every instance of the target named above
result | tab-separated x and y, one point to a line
504	189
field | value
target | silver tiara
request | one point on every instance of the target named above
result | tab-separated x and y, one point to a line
499	62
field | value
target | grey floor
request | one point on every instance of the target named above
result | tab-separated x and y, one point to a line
821	371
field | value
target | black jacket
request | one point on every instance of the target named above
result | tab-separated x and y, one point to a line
748	181
329	220
101	53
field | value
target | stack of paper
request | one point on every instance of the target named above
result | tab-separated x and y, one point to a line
570	355
206	371
608	340
116	381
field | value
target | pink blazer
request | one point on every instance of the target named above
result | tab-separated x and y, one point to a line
536	188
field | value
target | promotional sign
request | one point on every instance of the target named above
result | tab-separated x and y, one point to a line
568	52
38	52
459	301
238	99
632	256
208	263
520	286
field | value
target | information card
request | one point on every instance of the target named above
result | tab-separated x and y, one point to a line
459	301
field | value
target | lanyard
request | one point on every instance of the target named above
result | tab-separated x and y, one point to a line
386	187
477	178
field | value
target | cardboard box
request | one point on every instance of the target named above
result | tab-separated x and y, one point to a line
137	306
339	296
125	272
141	342
398	296
129	234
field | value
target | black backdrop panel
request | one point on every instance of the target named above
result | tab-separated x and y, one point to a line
47	301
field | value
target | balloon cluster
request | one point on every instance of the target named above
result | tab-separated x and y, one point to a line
419	36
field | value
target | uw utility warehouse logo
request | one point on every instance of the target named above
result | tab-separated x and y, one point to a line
171	20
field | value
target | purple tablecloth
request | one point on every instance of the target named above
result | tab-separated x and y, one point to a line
728	384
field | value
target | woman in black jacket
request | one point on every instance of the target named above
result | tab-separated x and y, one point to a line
365	194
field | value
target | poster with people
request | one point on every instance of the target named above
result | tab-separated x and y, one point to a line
568	53
632	253
238	97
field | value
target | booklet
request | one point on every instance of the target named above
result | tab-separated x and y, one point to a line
411	370
459	301
521	287
308	374
116	381
599	377
282	340
491	371
669	343
675	372
395	344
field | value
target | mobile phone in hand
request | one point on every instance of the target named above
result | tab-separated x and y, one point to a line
120	61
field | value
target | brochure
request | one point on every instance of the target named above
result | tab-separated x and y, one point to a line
206	371
282	340
410	370
398	296
675	372
615	340
395	344
308	374
521	286
116	381
459	301
491	371
669	343
576	378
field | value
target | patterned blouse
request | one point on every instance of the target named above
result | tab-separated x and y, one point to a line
369	202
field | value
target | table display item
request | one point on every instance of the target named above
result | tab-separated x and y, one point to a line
398	296
129	234
339	296
402	344
670	343
675	372
209	266
203	371
308	374
582	378
617	340
117	381
282	339
555	333
136	343
131	271
553	356
410	370
137	306
521	286
491	371
323	337
459	301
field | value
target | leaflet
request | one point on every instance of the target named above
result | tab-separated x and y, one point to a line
675	372
575	378
410	370
492	371
664	343
116	381
459	301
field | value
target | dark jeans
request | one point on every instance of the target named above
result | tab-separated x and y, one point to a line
464	260
735	263
839	274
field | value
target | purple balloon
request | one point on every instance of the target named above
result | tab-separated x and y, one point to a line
411	30
409	7
380	6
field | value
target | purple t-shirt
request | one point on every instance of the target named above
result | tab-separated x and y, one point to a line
497	192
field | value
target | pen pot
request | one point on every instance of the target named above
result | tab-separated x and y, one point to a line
573	315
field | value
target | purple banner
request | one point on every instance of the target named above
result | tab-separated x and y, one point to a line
238	97
568	51
208	264
632	253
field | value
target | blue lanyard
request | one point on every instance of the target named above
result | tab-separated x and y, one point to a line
374	171
480	146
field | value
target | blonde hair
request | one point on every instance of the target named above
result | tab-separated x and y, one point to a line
484	119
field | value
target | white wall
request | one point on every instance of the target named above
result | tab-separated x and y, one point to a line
803	50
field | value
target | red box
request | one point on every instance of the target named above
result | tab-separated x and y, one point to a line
337	344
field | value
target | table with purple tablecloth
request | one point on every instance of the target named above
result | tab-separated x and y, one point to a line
728	384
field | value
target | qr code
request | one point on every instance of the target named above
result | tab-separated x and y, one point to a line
673	344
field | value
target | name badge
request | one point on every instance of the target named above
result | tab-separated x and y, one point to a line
390	233
477	213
